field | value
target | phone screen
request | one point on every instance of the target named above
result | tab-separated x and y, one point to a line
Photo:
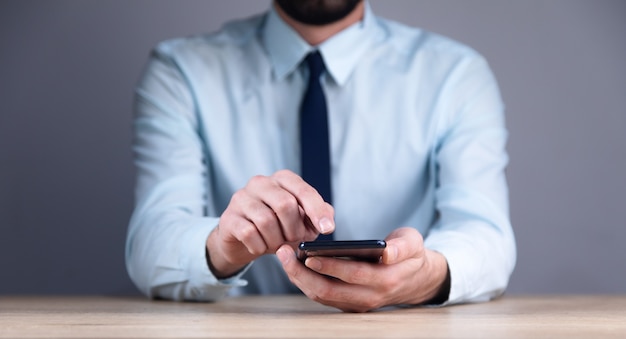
363	250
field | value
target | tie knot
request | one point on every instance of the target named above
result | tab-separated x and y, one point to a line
316	64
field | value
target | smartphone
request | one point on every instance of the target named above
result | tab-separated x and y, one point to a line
362	250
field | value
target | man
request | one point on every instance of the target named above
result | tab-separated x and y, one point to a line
417	157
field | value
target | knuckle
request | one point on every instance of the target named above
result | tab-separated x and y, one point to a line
290	235
419	237
227	218
286	204
257	249
282	174
359	275
264	220
245	233
296	233
306	192
238	196
248	236
328	208
257	180
254	251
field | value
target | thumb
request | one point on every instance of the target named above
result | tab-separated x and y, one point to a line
402	244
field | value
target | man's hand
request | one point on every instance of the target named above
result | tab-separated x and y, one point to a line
267	213
408	274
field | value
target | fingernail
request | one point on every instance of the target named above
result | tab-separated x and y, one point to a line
283	255
326	225
313	264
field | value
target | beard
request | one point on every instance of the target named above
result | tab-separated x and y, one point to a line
317	12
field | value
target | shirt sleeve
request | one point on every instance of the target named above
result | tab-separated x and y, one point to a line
165	246
473	230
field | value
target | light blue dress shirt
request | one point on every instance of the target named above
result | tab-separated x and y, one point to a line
417	139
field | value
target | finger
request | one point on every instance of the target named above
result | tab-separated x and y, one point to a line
346	297
261	217
305	279
299	275
349	271
402	244
311	232
285	207
320	212
247	233
335	293
267	225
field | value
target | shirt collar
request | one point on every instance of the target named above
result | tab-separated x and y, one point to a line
341	52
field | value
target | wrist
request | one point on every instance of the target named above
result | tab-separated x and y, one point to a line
217	263
441	280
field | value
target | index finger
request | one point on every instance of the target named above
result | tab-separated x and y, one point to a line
316	209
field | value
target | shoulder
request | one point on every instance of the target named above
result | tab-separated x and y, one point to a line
231	39
413	44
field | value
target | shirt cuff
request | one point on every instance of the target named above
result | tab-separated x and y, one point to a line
457	260
203	285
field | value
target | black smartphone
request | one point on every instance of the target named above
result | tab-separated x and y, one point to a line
363	250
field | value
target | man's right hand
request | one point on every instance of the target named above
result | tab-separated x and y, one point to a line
266	213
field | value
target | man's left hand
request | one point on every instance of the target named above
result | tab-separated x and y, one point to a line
408	274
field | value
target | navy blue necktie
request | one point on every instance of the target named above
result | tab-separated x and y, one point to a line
314	140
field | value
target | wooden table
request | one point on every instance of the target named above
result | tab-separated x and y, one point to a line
298	317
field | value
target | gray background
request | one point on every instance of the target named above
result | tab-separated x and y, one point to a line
67	72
